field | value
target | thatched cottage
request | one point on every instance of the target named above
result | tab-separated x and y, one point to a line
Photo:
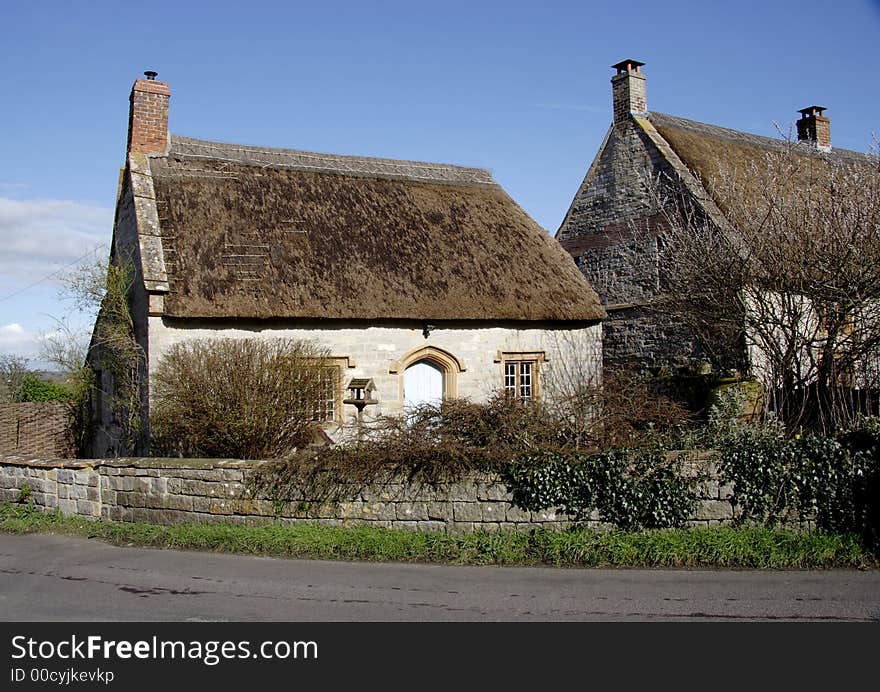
426	279
613	227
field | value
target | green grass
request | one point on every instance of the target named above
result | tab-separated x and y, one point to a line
759	548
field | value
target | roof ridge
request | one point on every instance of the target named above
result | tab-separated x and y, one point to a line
190	147
741	135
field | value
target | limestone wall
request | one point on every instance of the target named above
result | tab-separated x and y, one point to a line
174	491
380	351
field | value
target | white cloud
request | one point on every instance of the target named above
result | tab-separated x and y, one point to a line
16	340
41	236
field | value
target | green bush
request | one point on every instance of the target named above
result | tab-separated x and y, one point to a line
835	481
863	441
35	389
632	489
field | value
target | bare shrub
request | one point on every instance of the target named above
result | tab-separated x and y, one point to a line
241	398
432	443
438	443
792	271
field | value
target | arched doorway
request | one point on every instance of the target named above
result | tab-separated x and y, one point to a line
422	384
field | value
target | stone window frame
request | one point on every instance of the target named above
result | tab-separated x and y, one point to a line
450	364
534	358
339	364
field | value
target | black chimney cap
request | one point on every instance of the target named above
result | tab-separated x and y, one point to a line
149	74
812	110
628	66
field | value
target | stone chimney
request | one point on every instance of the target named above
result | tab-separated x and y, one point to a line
628	90
814	127
148	116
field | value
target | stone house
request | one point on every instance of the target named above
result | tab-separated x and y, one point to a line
423	280
613	227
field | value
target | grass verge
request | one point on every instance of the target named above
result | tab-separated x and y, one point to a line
723	547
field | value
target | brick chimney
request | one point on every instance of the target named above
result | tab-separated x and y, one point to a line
814	127
628	90
148	116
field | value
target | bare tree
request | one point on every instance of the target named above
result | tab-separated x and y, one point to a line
792	273
13	370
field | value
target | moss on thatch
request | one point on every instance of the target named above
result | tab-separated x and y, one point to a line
276	234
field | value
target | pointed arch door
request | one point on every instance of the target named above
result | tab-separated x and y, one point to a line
422	384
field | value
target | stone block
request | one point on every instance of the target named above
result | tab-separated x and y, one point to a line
725	491
489	526
515	514
250	507
79	492
65	476
63	492
67	507
131	499
435	526
441	511
493	492
708	510
159	486
708	490
93	493
462	492
493	511
50	501
213	505
459	527
412	511
88	508
85	478
467	512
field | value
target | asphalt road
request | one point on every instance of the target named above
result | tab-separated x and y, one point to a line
45	578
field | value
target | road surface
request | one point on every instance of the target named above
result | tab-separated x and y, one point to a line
45	577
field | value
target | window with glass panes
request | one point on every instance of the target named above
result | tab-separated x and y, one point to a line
519	379
326	405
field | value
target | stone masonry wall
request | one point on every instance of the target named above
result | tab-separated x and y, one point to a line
176	491
40	428
622	263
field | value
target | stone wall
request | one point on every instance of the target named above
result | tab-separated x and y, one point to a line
40	428
176	491
611	231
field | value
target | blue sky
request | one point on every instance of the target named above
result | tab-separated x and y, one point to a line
519	88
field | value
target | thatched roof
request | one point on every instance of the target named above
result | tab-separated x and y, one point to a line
273	233
709	150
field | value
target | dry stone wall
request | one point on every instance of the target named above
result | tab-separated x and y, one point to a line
177	491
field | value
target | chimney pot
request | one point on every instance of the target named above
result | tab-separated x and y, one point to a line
149	74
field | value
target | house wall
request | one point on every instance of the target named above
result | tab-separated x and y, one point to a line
107	437
572	352
604	231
